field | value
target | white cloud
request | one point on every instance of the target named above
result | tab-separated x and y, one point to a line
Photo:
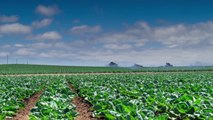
60	51
178	35
6	46
172	36
118	47
135	36
47	10
84	29
13	18
3	54
19	45
184	35
14	28
40	45
42	23
51	35
118	38
25	52
151	57
140	43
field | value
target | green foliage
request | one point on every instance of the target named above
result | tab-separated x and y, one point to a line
46	69
161	96
55	102
150	96
13	91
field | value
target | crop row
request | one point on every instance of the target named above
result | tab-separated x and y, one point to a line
139	97
13	92
55	103
114	97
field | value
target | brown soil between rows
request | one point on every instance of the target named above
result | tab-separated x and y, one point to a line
72	88
64	74
82	107
23	114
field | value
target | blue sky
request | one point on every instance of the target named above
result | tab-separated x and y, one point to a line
85	32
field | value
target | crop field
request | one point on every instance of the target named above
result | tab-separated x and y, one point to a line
51	69
161	96
46	69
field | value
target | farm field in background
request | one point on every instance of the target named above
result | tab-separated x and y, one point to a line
51	69
160	96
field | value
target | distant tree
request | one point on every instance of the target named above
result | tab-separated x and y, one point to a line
113	64
168	65
137	66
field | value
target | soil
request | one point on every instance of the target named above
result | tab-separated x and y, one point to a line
82	107
72	88
64	74
23	114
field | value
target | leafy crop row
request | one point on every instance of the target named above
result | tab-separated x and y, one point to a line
14	90
55	102
158	96
115	97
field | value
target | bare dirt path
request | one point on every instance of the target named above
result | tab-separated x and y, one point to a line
82	107
64	74
23	114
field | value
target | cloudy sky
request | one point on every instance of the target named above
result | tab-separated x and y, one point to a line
95	32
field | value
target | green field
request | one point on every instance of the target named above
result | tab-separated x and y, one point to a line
46	69
137	97
160	96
